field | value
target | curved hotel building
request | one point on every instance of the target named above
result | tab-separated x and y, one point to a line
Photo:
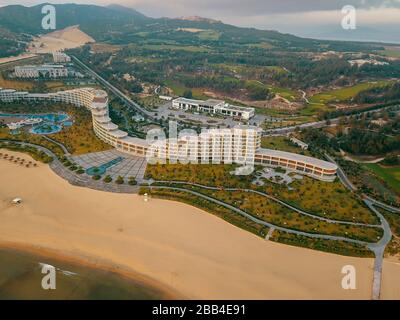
241	144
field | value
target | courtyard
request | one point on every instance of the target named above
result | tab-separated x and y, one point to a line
115	164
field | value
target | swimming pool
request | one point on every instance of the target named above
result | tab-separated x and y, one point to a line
100	170
46	128
52	122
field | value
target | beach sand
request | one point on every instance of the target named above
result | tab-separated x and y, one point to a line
187	250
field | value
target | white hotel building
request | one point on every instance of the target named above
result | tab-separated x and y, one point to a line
215	107
47	71
241	144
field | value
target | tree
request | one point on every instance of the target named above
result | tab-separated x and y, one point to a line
107	179
188	94
120	180
132	181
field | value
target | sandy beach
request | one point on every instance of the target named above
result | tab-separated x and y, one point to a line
184	249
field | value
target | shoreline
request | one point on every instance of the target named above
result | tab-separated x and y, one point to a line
89	262
189	252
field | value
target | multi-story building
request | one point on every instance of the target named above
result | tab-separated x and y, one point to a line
241	144
214	107
45	71
61	57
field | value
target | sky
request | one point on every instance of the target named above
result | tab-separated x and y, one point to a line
376	20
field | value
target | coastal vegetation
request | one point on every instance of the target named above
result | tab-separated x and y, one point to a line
35	153
325	199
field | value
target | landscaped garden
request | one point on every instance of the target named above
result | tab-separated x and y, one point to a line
78	138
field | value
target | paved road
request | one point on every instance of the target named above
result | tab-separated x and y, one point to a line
116	91
64	148
379	250
342	175
382	205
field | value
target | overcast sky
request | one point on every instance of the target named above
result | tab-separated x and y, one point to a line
376	19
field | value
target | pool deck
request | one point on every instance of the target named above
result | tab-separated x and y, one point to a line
130	166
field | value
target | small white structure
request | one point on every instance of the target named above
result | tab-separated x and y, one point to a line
167	98
17	201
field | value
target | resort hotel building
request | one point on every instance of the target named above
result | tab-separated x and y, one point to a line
241	144
46	71
214	107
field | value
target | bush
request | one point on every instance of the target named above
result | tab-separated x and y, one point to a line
80	171
119	180
96	177
107	179
132	181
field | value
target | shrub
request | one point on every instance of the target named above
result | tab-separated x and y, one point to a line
107	179
119	180
96	177
132	181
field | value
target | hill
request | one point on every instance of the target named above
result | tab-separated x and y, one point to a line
120	25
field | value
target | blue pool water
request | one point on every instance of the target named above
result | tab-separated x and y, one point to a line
93	171
46	128
67	123
52	122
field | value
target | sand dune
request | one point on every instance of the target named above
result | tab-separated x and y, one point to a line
186	249
68	38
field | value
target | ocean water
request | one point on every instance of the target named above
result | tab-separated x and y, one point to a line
21	277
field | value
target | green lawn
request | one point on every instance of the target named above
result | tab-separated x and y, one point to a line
288	94
163	47
345	93
209	35
390	174
283	144
179	89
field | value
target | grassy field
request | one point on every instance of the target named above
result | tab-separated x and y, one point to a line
179	90
210	35
283	144
391	175
344	93
288	94
164	47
